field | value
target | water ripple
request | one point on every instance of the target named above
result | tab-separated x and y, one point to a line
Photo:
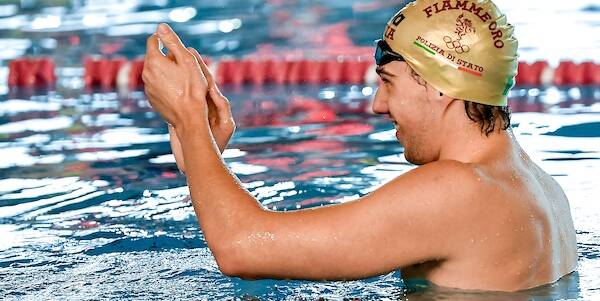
96	208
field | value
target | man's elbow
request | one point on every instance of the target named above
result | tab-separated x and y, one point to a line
230	261
228	267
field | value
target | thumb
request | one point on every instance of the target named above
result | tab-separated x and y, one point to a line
172	42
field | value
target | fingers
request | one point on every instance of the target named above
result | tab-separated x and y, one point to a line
182	57
152	48
170	54
204	67
172	42
219	99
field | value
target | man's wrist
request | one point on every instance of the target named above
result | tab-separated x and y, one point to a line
195	129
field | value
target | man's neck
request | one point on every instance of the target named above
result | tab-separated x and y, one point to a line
468	144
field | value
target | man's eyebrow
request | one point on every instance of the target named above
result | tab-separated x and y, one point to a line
381	71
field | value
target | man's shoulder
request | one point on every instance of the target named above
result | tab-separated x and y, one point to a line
449	172
449	182
444	198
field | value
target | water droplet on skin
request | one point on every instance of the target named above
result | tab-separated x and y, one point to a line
531	215
472	240
497	233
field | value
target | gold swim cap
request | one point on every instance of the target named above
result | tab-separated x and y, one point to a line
464	48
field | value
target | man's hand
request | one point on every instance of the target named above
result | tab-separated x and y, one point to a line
220	118
175	88
168	97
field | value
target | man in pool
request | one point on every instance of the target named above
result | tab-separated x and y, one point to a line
476	214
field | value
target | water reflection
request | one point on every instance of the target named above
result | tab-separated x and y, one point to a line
90	193
566	288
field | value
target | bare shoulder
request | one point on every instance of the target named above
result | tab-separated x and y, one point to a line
449	169
439	194
443	180
445	192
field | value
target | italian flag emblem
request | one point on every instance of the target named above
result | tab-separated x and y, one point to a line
444	59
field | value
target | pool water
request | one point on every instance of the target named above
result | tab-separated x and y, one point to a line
92	205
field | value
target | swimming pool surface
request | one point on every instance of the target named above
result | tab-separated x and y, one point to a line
92	205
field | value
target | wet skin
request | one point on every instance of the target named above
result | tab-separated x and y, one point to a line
476	214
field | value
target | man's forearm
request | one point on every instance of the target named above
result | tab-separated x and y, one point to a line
221	204
176	149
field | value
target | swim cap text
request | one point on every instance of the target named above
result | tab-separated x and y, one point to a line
465	5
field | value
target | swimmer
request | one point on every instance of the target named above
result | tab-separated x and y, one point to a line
477	213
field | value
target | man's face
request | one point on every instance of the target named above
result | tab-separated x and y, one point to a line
407	103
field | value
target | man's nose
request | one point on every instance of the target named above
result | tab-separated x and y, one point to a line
380	103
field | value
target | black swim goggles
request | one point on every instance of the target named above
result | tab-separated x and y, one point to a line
384	53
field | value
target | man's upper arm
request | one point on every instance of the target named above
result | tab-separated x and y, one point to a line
411	219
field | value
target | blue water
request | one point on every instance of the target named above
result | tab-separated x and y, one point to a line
92	205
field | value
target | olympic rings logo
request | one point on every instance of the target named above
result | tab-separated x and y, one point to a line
456	45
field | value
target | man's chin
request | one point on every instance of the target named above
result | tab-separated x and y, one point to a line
416	160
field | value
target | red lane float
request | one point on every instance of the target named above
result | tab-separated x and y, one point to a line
222	75
311	72
354	71
293	72
332	72
262	71
267	68
101	72
531	74
257	71
569	73
591	73
31	72
595	76
45	74
562	74
237	72
278	72
135	74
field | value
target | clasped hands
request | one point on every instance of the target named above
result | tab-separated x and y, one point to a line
181	88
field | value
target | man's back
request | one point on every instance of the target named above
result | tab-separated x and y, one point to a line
523	238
